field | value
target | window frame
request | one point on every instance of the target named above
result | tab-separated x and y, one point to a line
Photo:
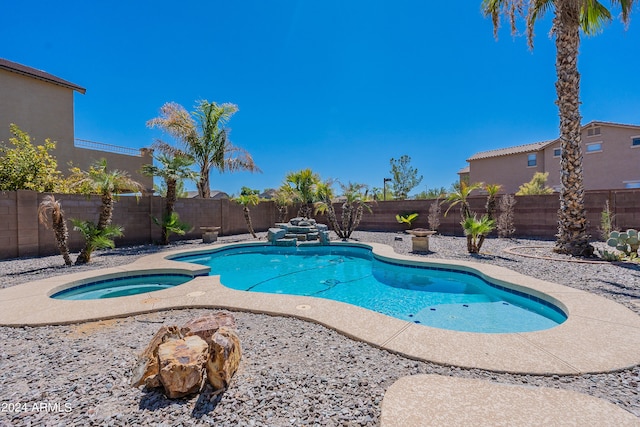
559	150
591	132
535	160
633	140
587	145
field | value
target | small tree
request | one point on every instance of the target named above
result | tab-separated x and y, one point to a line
109	184
283	199
95	238
492	194
403	177
476	230
304	188
173	170
50	206
606	221
460	196
248	197
352	209
537	186
27	166
505	223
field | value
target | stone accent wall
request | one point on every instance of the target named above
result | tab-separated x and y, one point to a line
21	235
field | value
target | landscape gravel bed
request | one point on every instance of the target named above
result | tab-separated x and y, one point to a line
292	372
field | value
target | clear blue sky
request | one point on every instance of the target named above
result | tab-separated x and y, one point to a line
338	86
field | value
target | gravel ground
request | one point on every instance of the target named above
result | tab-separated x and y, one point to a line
292	372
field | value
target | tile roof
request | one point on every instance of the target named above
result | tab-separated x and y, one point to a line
14	67
526	148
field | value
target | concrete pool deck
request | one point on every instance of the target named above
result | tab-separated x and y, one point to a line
598	336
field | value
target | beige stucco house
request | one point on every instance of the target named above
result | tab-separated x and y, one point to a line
611	160
41	104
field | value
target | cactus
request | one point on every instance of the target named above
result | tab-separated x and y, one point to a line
627	242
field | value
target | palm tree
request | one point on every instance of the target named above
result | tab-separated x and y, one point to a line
476	230
283	199
172	169
94	238
304	184
492	193
459	196
352	209
247	199
570	16
108	184
203	138
50	206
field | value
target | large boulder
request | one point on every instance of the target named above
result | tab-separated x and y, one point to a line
147	369
224	357
181	365
206	326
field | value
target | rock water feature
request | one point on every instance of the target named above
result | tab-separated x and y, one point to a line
179	358
298	230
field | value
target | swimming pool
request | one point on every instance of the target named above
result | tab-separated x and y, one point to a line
438	297
122	286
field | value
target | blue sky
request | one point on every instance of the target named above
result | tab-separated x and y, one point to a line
338	86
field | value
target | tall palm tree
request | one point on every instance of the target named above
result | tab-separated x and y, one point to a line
304	184
203	138
570	16
51	207
172	169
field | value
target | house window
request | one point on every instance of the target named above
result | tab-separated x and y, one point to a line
593	131
532	160
632	184
635	141
557	152
594	147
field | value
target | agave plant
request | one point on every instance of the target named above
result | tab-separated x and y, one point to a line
407	219
95	238
476	230
50	206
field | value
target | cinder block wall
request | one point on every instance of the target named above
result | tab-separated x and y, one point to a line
21	235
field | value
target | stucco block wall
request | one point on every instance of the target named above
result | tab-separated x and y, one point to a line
21	235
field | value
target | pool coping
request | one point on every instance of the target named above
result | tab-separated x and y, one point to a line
599	335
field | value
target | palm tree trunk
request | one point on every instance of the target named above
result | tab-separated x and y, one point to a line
84	256
572	222
62	236
106	211
169	207
247	218
203	184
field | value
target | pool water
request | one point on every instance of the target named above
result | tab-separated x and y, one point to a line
440	298
122	286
